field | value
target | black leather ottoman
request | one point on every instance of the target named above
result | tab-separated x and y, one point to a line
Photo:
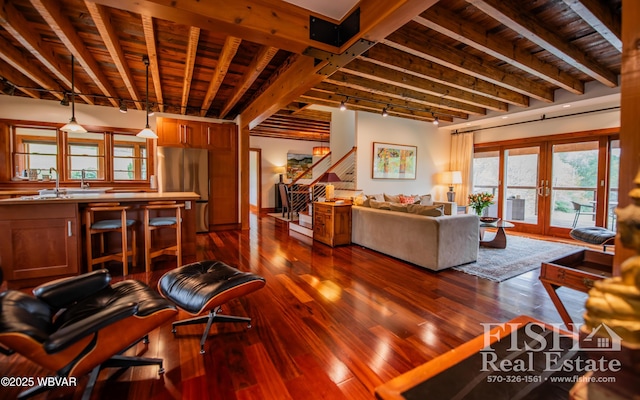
205	286
594	235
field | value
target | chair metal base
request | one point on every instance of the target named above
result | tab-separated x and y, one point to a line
210	319
117	361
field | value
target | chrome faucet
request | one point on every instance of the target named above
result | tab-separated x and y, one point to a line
83	184
52	170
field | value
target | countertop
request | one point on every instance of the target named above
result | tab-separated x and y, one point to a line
90	198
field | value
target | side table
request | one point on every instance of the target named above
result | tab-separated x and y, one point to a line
332	223
500	240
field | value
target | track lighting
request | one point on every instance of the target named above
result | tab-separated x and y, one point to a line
343	106
436	121
123	107
384	112
65	100
151	110
9	89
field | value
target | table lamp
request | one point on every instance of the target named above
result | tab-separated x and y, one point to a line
280	170
329	177
451	178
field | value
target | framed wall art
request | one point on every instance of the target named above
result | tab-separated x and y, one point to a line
394	161
297	164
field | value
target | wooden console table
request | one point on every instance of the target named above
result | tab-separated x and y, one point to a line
576	271
332	223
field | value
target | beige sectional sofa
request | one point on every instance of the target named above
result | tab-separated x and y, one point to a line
435	243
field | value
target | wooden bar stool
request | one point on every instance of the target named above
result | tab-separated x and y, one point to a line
162	222
100	227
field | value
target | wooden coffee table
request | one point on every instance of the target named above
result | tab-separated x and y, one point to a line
500	240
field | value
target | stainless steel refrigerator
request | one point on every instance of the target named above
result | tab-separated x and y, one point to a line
186	170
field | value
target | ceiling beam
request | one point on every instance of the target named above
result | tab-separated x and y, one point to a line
411	40
378	103
152	53
229	51
270	23
61	26
508	14
361	85
398	83
22	83
189	64
601	18
18	27
21	63
387	16
379	96
464	87
476	36
100	16
257	65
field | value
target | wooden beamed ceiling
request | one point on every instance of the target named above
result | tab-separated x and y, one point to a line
449	59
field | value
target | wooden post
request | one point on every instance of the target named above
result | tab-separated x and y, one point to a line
630	109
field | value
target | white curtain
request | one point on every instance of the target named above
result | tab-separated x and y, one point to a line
461	159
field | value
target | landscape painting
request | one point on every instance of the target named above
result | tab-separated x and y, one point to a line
297	163
394	161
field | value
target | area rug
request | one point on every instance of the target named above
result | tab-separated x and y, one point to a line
521	255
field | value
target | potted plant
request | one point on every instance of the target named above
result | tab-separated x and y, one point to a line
479	201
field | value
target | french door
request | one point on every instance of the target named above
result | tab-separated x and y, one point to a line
551	186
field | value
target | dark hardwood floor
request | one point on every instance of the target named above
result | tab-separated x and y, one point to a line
331	323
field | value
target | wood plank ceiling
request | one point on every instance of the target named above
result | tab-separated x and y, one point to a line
449	60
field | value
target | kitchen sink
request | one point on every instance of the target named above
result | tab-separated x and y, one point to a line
73	191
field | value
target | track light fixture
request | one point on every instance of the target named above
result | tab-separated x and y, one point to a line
343	105
147	132
384	112
65	100
123	107
151	110
73	126
436	121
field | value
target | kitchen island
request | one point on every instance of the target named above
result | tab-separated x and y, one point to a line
43	240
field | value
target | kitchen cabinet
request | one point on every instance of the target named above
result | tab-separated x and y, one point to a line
332	223
41	243
180	133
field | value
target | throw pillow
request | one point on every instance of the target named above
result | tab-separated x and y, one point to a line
430	211
376	197
426	200
380	205
358	200
398	207
406	199
392	198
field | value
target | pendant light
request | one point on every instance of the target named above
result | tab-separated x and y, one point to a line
147	132
73	126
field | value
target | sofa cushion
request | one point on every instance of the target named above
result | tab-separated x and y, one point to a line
393	198
376	197
381	205
398	207
430	211
406	199
426	200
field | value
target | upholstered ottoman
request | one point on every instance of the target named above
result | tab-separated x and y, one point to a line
205	286
594	235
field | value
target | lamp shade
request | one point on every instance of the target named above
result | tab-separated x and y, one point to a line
330	177
452	177
321	150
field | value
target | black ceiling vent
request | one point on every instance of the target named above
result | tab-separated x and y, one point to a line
332	34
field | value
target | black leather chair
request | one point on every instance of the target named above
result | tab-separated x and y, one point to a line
76	325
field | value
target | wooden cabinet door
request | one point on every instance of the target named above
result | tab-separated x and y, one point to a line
193	135
169	132
342	225
40	246
322	224
223	174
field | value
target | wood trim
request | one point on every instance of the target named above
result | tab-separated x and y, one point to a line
558	137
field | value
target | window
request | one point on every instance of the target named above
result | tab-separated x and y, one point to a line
99	156
86	152
129	158
35	148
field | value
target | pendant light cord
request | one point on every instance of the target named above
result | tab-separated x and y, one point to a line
73	91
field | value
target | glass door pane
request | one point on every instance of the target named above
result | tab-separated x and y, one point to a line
522	167
614	172
574	184
486	174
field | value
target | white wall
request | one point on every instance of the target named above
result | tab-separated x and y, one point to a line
433	154
274	154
